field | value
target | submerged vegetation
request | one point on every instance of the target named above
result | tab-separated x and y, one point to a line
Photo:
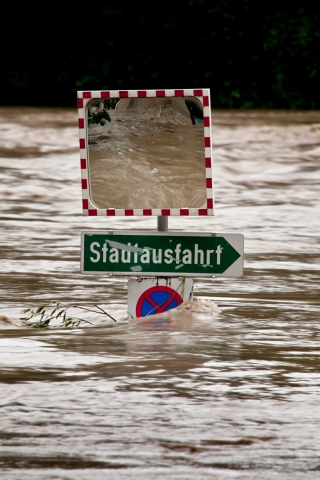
56	314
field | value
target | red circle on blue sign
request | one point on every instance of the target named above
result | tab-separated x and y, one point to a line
157	300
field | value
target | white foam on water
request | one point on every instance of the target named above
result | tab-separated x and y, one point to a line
200	305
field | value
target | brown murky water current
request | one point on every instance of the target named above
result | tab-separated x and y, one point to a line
208	394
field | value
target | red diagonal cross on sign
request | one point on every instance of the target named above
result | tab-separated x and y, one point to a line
155	300
162	307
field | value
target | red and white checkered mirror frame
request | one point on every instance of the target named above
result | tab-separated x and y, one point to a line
89	208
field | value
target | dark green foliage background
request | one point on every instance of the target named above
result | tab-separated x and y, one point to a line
251	54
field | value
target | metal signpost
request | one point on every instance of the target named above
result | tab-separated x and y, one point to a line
163	262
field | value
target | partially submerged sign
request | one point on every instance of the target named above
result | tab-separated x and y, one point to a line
162	254
150	296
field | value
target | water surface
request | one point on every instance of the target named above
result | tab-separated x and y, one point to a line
227	388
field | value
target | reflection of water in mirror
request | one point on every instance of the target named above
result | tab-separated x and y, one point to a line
142	149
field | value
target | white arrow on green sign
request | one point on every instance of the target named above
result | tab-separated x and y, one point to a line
162	253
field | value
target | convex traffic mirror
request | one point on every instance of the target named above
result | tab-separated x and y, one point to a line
146	152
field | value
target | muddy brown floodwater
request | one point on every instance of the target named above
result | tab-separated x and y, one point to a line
228	388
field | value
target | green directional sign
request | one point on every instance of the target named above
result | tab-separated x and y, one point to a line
162	254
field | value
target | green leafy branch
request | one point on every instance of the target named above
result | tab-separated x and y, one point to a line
42	316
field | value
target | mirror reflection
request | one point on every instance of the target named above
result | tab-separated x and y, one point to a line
146	153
